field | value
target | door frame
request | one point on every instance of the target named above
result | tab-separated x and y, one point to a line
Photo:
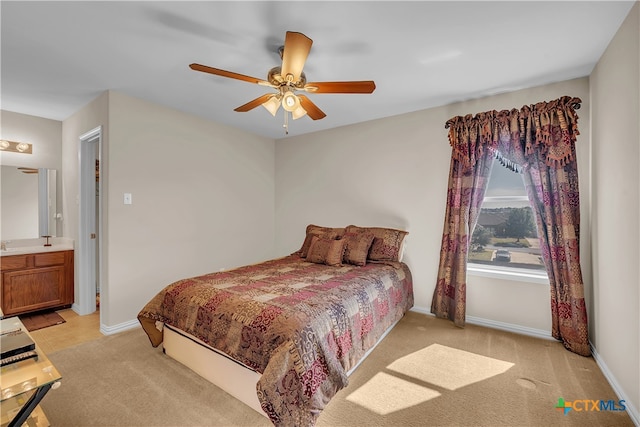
87	277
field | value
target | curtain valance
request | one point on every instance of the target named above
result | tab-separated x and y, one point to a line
535	126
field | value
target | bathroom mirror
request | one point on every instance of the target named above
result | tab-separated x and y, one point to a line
28	205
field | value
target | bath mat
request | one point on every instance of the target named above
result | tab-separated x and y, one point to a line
36	321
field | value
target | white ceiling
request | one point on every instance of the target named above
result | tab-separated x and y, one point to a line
58	56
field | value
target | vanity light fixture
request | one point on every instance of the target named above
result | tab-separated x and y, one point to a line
16	147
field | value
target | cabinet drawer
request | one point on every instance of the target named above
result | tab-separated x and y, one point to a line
52	258
13	262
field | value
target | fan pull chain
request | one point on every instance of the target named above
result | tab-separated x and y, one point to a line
286	122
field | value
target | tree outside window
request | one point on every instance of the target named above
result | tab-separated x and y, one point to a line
506	223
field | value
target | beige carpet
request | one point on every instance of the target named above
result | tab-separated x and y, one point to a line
426	372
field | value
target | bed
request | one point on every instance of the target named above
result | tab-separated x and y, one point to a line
283	334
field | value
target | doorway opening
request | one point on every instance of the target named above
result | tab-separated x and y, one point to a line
90	223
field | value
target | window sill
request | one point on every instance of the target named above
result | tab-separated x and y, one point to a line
507	273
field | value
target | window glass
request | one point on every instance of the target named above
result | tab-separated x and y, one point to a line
506	235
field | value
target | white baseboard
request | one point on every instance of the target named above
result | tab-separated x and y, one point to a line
494	324
510	327
631	410
422	310
110	330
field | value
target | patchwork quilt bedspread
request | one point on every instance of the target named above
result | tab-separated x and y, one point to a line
302	325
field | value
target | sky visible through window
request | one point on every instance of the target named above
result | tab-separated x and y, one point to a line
505	189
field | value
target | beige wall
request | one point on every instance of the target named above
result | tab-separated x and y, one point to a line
615	319
393	172
202	198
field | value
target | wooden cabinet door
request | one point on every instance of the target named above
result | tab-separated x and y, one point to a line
33	289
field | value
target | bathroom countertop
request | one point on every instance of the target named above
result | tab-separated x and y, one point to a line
32	246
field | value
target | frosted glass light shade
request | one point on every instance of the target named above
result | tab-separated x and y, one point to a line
298	112
290	102
272	105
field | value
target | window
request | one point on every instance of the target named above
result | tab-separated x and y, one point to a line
505	240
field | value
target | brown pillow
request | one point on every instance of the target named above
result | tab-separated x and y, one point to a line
357	247
330	232
387	242
316	230
306	244
326	251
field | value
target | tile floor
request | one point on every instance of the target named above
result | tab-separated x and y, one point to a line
76	330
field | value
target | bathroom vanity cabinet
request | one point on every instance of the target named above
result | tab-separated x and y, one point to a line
36	281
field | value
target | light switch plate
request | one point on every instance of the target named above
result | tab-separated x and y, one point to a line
127	199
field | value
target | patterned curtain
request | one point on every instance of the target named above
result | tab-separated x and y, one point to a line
464	200
539	141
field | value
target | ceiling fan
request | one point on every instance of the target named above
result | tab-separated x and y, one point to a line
289	78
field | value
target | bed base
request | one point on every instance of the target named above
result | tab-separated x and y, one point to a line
231	376
218	368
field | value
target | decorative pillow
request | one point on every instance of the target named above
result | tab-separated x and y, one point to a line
326	251
316	230
305	245
338	231
387	242
357	247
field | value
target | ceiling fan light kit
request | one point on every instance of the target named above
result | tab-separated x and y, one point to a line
290	101
298	112
273	104
287	79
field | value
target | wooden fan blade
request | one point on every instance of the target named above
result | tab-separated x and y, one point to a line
28	170
296	50
312	109
253	104
365	86
231	75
